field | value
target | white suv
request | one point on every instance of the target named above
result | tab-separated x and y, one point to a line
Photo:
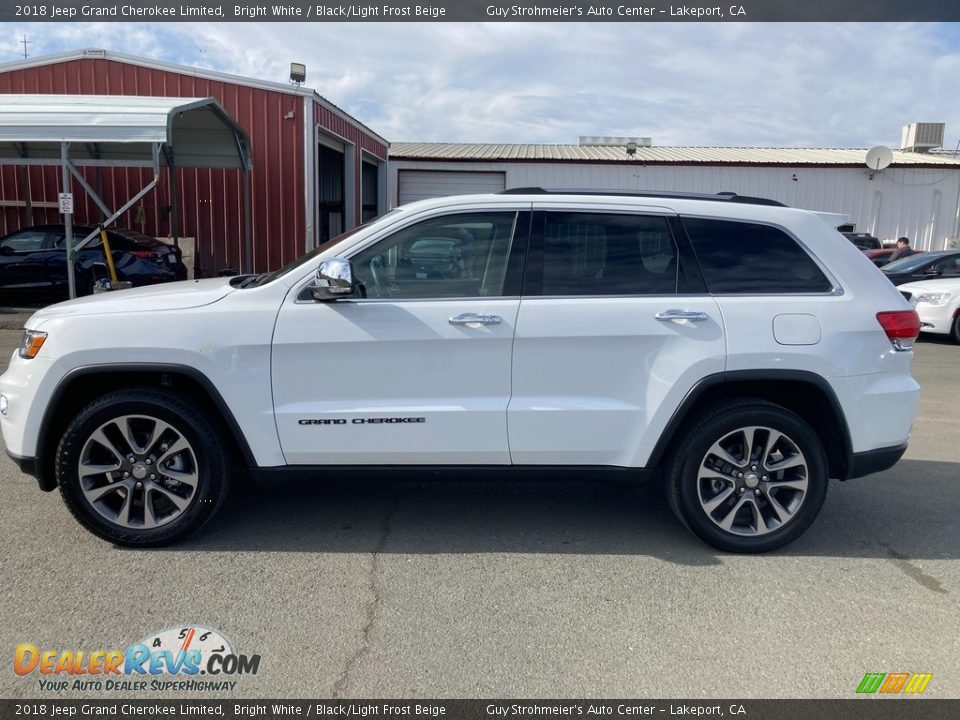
743	349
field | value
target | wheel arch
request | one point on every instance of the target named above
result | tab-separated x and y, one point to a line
807	394
82	385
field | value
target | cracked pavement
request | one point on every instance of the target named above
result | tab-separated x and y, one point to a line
501	589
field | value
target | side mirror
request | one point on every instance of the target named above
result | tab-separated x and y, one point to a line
334	280
6	250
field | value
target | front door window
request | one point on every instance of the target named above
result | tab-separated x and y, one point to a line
453	256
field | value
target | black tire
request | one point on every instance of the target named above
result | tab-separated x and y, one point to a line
955	330
207	452
683	481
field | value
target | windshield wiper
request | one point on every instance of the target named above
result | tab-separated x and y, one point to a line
250	280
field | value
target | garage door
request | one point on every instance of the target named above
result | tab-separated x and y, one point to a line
423	184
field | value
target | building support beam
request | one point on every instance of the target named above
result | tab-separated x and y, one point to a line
68	219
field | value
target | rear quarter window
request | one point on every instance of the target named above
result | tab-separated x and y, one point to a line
748	258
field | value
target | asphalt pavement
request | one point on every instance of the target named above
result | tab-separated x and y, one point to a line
504	589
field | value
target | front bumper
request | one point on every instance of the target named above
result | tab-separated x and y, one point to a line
31	466
27	395
935	318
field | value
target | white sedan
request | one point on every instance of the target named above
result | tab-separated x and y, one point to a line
937	303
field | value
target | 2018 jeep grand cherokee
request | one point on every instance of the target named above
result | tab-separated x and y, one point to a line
730	343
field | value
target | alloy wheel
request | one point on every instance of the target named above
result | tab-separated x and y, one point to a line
752	481
138	472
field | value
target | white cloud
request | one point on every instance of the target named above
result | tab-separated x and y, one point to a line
691	84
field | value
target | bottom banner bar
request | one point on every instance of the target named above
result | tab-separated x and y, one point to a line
854	709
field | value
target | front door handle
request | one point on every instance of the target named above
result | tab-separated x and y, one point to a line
694	315
474	319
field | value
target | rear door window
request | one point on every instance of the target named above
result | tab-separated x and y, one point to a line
749	258
608	254
58	238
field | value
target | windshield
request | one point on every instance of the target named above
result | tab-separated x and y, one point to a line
907	264
304	259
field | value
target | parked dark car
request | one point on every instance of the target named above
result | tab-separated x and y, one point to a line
864	241
924	266
33	261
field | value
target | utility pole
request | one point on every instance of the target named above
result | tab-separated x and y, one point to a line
25	42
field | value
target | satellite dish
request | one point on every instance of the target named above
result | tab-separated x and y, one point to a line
879	157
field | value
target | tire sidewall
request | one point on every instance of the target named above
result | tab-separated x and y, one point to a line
797	431
86	280
211	466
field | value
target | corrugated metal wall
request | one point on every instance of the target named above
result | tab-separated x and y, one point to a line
920	203
211	201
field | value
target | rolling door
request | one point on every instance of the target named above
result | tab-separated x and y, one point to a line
423	184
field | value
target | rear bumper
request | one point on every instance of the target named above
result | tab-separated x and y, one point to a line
880	408
873	461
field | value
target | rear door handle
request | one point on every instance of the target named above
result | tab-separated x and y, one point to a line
474	319
694	315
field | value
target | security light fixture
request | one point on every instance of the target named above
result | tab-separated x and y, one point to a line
298	73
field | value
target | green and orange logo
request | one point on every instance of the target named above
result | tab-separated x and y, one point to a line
894	683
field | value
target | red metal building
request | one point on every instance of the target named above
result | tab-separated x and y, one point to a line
316	170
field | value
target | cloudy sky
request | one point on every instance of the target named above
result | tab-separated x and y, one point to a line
777	84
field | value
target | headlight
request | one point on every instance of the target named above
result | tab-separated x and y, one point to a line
933	298
31	342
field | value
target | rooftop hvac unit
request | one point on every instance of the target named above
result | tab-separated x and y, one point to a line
603	141
921	137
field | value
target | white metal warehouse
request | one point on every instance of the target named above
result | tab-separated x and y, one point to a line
918	195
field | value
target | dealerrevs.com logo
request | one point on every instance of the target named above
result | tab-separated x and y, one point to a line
188	659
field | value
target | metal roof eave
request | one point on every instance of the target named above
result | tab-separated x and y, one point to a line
118	130
657	155
99	54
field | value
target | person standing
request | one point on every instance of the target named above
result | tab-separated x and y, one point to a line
903	249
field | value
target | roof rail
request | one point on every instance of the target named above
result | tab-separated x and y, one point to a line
719	197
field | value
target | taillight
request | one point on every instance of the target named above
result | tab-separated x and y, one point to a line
146	254
901	326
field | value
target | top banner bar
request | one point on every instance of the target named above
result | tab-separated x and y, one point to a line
482	10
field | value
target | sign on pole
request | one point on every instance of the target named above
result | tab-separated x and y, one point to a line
66	203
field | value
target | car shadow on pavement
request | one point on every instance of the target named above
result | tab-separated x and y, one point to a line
910	512
931	339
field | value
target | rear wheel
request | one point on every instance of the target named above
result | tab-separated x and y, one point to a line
749	477
87	283
142	468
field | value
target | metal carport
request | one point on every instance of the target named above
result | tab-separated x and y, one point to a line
73	131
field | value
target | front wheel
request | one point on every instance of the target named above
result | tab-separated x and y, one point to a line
955	330
749	477
142	468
